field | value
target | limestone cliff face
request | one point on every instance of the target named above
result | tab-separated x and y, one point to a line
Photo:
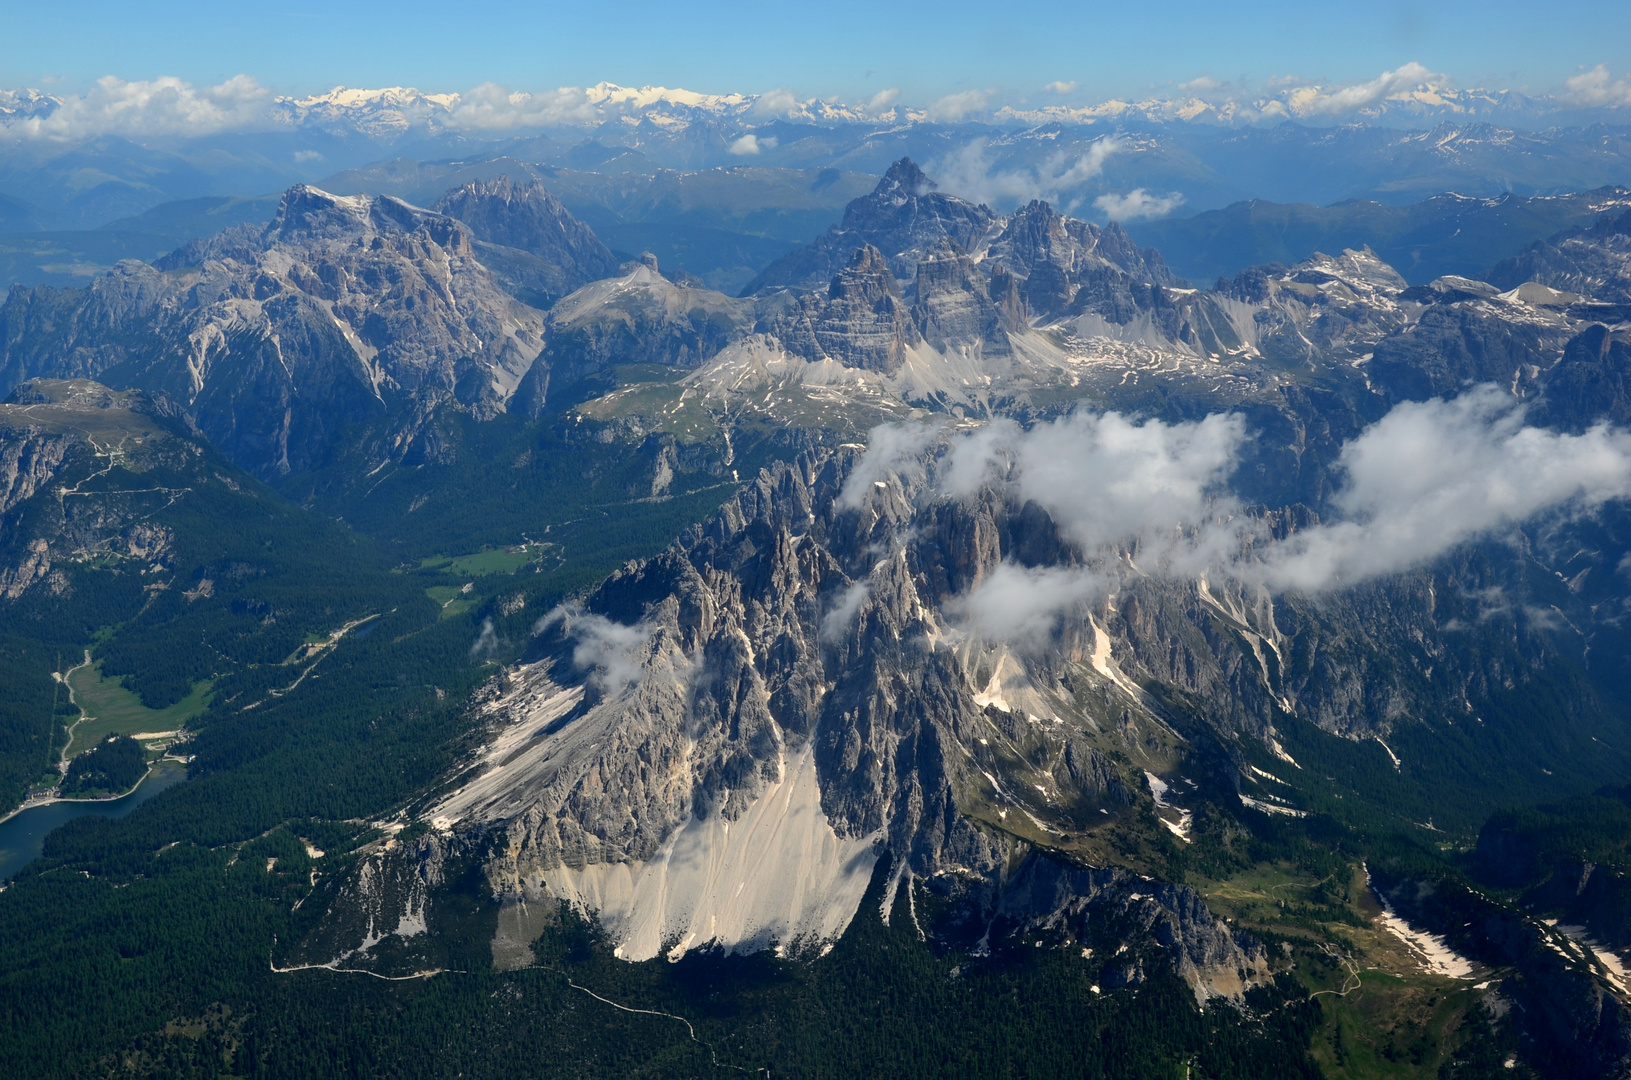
57	440
276	340
531	244
860	321
904	216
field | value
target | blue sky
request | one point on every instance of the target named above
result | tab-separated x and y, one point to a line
836	48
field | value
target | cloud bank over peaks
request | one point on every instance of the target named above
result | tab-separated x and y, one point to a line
1432	475
1411	94
1599	88
952	108
1403	81
1151	498
158	107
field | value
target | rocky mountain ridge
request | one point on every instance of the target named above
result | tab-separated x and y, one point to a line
782	676
276	340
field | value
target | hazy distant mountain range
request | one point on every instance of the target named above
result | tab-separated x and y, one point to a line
1409	96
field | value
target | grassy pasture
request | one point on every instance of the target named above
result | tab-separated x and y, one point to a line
110	708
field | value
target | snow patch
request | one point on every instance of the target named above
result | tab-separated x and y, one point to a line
1613	967
1270	808
1159	789
1431	950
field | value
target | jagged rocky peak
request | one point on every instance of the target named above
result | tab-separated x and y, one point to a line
1593	262
529	218
902	182
340	311
1059	258
307	214
903	217
720	745
861	322
1361	272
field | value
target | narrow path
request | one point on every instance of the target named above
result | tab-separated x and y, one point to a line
62	763
363	971
689	1028
1353	973
712	1053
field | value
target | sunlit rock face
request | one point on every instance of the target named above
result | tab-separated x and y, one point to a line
343	310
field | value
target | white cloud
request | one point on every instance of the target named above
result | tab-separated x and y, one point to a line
1202	84
1401	80
837	620
486	642
491	107
970	172
304	156
163	106
776	103
1151	499
1061	87
953	108
1107	480
1023	605
1137	204
1598	87
883	99
1432	475
605	649
890	448
751	144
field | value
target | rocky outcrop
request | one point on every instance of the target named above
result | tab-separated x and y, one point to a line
277	340
1057	901
638	317
1571	1021
57	440
1591	383
1057	258
861	321
528	238
904	216
800	637
1593	262
956	303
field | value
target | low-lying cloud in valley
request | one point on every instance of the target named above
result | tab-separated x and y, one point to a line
972	173
1137	205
